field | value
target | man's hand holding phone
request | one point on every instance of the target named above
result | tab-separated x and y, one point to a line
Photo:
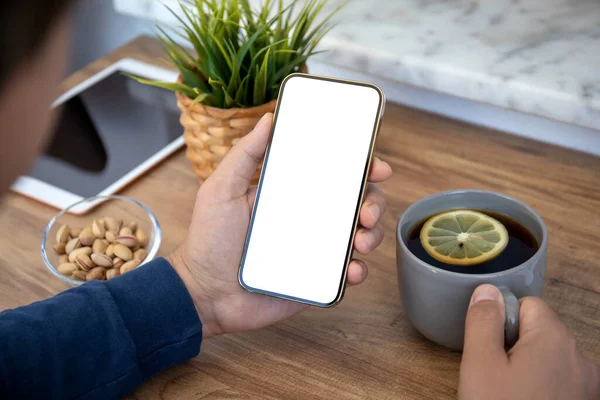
209	258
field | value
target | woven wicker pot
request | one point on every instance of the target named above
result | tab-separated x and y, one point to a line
209	132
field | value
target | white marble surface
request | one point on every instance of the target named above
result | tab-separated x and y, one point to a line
540	57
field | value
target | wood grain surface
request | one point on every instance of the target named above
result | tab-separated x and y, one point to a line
365	348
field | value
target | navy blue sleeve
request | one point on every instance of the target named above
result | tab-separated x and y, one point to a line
100	340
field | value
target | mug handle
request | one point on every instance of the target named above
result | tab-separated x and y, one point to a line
511	324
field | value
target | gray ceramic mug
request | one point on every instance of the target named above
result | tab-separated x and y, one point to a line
436	300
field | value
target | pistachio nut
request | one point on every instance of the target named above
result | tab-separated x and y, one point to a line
63	259
123	252
73	244
117	262
127	241
59	248
110	236
102	260
140	254
110	250
99	246
129	265
112	273
132	226
141	237
98	229
125	231
95	273
67	268
112	224
78	275
86	251
87	237
62	235
84	262
75	232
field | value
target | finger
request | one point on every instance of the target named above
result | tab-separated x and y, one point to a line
367	240
535	316
380	171
484	331
236	170
373	207
357	272
251	194
537	321
539	324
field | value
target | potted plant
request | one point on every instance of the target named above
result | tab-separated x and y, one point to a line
240	57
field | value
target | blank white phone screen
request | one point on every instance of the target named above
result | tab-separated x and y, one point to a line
300	234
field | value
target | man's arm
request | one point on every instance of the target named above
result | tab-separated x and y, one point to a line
100	340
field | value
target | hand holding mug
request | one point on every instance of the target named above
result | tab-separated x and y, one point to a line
544	363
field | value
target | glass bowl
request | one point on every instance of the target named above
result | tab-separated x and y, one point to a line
118	207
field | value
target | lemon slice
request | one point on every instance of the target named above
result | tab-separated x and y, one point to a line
463	237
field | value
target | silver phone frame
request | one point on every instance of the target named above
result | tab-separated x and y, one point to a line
350	250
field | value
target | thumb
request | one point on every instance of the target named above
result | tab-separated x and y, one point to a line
484	330
237	168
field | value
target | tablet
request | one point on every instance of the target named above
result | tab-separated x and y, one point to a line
111	130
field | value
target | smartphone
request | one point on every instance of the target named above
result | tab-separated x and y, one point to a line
305	215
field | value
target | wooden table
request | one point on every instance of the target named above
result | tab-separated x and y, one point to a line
364	348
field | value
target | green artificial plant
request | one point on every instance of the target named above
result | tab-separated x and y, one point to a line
241	55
